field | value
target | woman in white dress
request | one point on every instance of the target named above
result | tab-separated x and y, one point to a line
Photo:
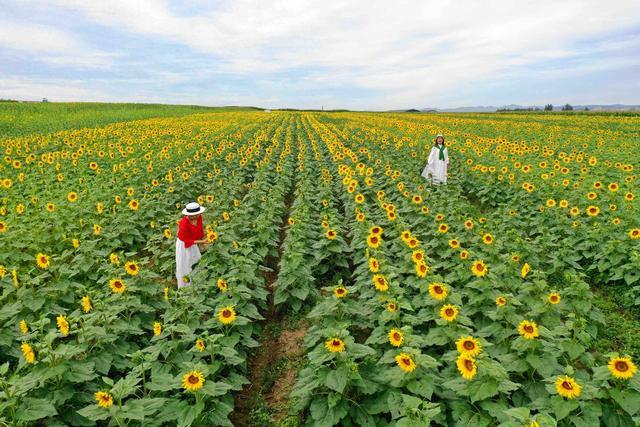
438	162
190	234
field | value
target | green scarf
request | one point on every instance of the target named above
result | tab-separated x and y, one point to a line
441	154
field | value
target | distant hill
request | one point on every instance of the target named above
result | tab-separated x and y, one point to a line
491	108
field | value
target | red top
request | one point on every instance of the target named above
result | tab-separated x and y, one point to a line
189	233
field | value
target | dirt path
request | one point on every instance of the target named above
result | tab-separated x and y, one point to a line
272	368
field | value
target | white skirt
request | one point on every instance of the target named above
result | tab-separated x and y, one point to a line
185	258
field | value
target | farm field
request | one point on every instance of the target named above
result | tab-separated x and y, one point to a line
338	286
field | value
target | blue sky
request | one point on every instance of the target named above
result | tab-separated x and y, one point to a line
358	54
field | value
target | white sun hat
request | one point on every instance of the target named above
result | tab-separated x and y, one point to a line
193	208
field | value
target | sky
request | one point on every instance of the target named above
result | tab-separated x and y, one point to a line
357	54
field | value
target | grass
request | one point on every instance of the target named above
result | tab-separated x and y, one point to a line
24	118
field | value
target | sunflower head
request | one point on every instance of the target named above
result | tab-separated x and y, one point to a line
380	282
396	337
131	267
466	366
568	387
528	329
340	292
335	345
193	381
449	312
553	298
468	346
622	367
405	362
479	268
438	291
200	345
226	315
104	400
117	286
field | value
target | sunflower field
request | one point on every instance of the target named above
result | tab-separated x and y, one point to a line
510	297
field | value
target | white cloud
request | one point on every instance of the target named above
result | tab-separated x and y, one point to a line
60	90
408	52
51	45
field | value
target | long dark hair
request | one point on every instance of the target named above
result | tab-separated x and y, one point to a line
435	141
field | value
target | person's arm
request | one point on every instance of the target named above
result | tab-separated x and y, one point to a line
200	235
185	235
446	155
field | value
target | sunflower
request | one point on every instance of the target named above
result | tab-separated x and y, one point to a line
468	346
468	224
622	367
593	210
43	261
613	187
406	235
405	362
226	315
23	327
479	268
501	301
417	256
359	198
51	207
525	270
396	337
464	254
634	233
334	345
134	205
166	293
467	366
454	244
132	268
376	230
487	239
360	217
553	298
443	228
528	329
340	292
96	229
629	197
413	243
380	282
113	259
28	352
422	269
438	291
374	265
331	234
117	286
222	285
373	241
568	387
104	400
157	328
392	307
200	345
3	227
86	304
72	197
449	312
193	381
550	203
63	325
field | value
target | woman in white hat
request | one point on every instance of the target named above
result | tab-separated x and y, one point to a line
190	234
438	162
